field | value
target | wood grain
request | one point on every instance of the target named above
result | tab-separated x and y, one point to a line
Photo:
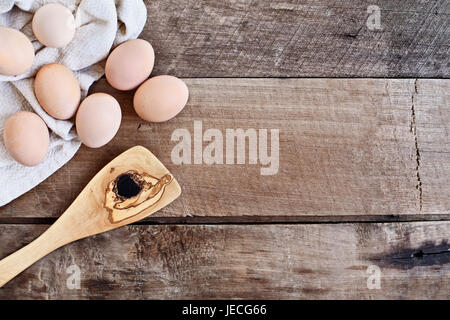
102	206
241	261
350	150
299	38
433	135
348	147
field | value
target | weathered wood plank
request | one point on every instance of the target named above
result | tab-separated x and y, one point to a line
299	38
241	261
432	110
348	147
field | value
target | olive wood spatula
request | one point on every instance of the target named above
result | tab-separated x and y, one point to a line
129	188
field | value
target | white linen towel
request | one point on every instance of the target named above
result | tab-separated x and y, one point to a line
101	25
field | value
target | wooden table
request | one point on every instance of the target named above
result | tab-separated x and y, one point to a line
362	187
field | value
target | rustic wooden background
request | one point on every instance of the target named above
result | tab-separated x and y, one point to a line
364	161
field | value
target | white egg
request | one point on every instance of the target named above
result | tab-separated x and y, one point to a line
54	25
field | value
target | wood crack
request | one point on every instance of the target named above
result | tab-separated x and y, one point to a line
420	254
429	254
413	129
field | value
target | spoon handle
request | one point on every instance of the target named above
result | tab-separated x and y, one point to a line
20	260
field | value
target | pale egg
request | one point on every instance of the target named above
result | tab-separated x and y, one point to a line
57	91
130	64
16	52
160	98
54	25
26	138
98	119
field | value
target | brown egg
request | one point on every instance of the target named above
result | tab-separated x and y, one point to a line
26	138
160	98
130	64
57	90
98	119
54	25
16	52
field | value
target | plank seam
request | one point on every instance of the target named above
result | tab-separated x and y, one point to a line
250	220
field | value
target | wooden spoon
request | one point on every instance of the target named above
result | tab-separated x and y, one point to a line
129	188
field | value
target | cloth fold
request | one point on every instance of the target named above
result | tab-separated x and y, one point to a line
101	25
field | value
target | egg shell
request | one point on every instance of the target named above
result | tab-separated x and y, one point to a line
16	52
130	64
54	25
160	98
26	138
98	119
57	91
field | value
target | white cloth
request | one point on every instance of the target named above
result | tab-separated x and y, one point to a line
101	25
